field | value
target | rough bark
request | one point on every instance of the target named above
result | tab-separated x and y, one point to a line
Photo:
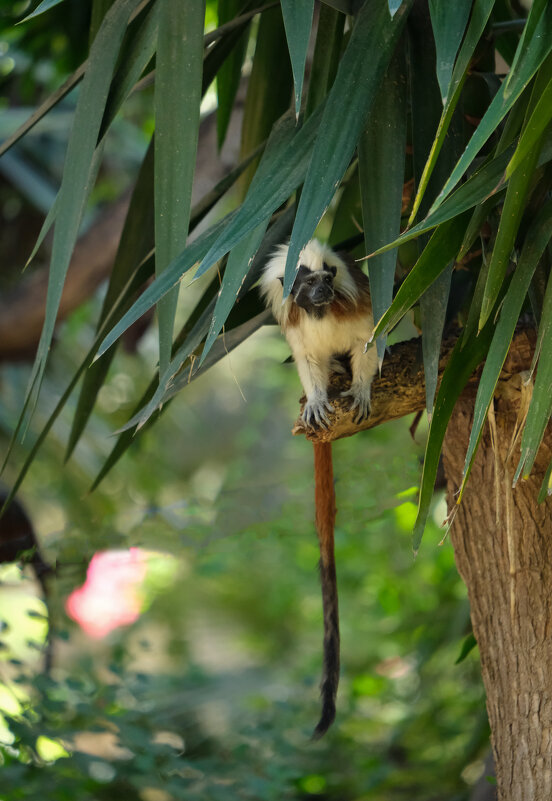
502	541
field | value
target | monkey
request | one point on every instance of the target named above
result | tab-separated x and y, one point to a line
327	315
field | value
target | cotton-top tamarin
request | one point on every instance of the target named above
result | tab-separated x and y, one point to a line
327	315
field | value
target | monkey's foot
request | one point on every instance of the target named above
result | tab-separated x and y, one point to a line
315	413
360	402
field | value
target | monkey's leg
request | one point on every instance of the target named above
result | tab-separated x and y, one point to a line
364	366
324	498
314	375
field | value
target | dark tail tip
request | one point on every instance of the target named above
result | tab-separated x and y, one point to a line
327	717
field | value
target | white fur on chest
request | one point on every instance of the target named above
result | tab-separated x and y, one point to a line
318	338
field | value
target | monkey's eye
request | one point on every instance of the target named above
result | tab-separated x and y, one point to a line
328	279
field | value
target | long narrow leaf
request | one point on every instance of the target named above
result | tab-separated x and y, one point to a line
138	54
514	205
539	120
503	102
329	36
126	438
298	23
546	487
346	111
78	168
237	267
45	5
44	108
461	365
449	23
545	326
436	256
195	336
262	108
135	243
229	75
381	158
536	240
135	281
426	111
169	279
277	177
179	65
480	14
539	413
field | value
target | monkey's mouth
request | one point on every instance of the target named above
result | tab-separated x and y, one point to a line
322	301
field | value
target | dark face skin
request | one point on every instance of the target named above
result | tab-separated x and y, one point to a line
313	290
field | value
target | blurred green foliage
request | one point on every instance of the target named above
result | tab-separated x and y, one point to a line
212	694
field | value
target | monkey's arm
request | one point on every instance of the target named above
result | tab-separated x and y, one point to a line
314	375
364	366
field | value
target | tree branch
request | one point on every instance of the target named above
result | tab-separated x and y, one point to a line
400	390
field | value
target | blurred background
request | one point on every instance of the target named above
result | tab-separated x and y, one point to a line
188	667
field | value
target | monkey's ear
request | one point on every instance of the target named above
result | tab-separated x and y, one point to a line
333	271
281	279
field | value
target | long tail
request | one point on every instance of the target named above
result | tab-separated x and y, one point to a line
324	498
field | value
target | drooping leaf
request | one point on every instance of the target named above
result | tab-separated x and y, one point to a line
329	36
298	23
266	99
449	22
486	181
137	239
44	108
278	175
166	281
78	171
517	193
381	158
179	66
433	308
99	10
170	379
45	5
527	40
345	6
436	256
136	280
539	412
480	14
426	111
533	130
229	74
137	54
546	487
394	6
503	102
125	439
237	267
545	325
467	647
355	87
462	362
535	242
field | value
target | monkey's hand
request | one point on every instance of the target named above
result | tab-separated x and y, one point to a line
315	413
360	393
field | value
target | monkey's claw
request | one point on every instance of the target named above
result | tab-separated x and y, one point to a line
360	403
315	413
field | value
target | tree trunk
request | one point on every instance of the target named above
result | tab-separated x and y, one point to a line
502	541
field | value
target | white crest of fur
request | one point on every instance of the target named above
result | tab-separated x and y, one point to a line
314	255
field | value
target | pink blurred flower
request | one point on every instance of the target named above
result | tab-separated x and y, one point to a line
110	596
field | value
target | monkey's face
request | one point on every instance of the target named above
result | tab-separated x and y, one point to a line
313	290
